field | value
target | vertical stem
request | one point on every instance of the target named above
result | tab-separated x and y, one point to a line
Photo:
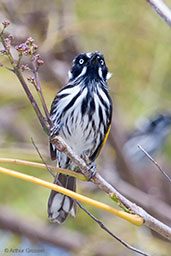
41	118
39	90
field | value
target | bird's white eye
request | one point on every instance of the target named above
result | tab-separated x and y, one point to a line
81	61
101	62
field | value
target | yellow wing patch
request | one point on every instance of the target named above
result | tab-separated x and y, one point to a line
104	141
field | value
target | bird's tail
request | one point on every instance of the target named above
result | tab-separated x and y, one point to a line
59	205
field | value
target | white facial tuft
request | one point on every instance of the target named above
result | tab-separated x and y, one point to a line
70	75
108	76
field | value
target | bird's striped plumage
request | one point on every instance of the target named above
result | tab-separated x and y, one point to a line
81	113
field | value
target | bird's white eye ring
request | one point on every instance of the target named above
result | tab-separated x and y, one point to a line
81	61
101	62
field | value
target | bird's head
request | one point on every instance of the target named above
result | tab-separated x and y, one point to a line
90	65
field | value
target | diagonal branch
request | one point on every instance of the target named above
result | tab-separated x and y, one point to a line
149	221
161	8
155	206
110	233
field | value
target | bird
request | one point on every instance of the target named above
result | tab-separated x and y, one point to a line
151	135
81	114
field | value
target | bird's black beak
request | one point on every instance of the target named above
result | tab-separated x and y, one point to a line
94	58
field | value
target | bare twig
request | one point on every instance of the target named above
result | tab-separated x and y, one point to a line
110	233
41	166
4	66
39	89
156	164
40	116
161	8
51	172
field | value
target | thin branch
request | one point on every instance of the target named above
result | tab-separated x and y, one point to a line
7	51
39	90
41	166
134	219
51	172
19	59
153	161
4	66
41	118
161	8
149	221
110	233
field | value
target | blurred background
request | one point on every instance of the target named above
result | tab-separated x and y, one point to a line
137	50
